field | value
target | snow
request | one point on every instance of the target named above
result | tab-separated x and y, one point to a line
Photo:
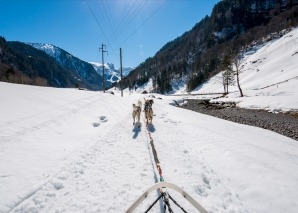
48	49
67	150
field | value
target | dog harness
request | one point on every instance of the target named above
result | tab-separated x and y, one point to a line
147	105
138	109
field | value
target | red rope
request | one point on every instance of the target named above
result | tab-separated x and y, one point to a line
157	163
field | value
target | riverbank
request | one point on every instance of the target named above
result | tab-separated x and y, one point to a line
284	124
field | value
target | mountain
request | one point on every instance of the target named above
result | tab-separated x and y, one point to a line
25	64
21	63
111	74
84	70
68	61
198	54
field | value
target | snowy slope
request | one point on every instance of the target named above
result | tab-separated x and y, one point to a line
269	78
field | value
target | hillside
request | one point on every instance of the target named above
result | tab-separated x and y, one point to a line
22	63
34	67
87	76
198	54
268	73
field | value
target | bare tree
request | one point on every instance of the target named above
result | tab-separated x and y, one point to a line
237	59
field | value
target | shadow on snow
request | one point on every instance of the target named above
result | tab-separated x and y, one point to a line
136	129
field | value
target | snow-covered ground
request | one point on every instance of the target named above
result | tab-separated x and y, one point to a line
67	150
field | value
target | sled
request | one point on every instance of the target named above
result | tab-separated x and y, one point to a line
168	185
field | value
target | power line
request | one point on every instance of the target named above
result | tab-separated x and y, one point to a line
129	17
97	22
107	18
140	26
126	14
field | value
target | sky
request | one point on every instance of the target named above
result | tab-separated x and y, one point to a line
140	28
68	150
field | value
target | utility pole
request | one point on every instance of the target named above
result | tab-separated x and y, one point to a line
103	66
121	72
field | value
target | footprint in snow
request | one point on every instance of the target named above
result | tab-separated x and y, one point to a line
57	185
95	124
102	119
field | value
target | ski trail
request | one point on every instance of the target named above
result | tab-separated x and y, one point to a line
206	183
67	189
43	119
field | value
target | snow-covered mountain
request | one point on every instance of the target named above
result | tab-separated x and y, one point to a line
64	58
50	49
70	62
112	74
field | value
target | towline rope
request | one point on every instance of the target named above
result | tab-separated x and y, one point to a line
157	162
163	194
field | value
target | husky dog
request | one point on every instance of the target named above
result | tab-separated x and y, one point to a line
148	110
136	113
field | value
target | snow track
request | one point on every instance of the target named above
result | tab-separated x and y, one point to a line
206	183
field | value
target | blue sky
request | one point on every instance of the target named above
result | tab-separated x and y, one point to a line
139	27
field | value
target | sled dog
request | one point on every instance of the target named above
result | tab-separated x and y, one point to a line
136	113
148	110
